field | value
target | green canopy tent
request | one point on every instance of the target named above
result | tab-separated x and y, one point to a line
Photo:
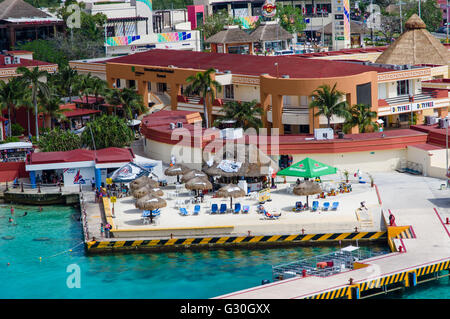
308	168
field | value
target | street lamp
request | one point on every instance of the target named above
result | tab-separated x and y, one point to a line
276	64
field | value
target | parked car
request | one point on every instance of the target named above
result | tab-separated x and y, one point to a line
442	30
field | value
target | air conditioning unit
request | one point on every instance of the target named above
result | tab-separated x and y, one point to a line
7	60
323	134
179	124
442	123
16	60
431	120
172	126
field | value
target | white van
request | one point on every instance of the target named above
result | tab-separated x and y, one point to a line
284	52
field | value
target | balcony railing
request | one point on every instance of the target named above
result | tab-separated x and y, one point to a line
425	95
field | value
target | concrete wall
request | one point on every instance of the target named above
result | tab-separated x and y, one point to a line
432	161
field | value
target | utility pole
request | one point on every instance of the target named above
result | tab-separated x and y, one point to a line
419	10
401	17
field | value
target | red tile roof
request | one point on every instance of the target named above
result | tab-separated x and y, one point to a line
23	62
295	67
80	112
107	155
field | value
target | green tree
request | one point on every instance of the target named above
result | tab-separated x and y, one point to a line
430	13
58	140
246	114
329	102
11	94
65	81
129	99
84	84
203	84
51	107
215	23
361	115
107	131
33	79
45	50
291	18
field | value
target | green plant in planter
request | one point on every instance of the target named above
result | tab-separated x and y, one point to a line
346	174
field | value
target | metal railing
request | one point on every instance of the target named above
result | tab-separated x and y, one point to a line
337	262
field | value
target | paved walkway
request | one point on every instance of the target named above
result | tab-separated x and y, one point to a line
415	201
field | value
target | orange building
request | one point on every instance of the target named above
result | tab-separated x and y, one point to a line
282	85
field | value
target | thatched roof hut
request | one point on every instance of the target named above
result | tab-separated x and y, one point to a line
270	31
176	170
20	9
229	35
415	46
253	162
141	192
143	181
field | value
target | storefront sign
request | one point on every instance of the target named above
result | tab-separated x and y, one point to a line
412	107
269	9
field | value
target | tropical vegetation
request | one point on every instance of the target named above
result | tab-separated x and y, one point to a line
203	84
127	98
245	114
329	102
107	131
361	116
59	140
291	18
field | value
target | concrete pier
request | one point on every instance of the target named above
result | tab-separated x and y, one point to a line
419	206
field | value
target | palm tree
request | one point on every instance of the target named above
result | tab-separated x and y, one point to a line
203	84
11	94
98	87
361	115
84	84
32	78
50	106
246	114
329	102
130	100
66	80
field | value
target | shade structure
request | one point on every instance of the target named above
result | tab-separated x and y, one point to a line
240	160
155	191
198	183
232	191
128	173
176	170
138	183
308	168
141	192
150	202
191	174
307	188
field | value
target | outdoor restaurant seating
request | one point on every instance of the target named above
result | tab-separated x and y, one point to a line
237	208
223	208
335	206
214	208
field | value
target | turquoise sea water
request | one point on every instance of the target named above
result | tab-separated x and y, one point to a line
177	275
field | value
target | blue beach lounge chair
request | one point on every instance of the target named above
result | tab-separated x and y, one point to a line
335	206
223	208
315	206
268	215
326	205
183	211
245	209
214	208
298	207
237	208
196	210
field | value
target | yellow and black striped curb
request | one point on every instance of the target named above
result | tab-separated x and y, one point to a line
345	292
406	234
333	294
198	241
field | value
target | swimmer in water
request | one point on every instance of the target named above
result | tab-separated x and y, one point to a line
12	210
40	208
25	214
10	220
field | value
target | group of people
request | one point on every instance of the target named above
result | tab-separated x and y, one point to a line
110	190
49	178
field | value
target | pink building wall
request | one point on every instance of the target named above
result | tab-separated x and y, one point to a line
192	14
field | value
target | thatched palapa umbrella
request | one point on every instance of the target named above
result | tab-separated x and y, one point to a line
176	170
138	183
307	188
155	191
231	191
191	174
198	183
141	192
150	203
